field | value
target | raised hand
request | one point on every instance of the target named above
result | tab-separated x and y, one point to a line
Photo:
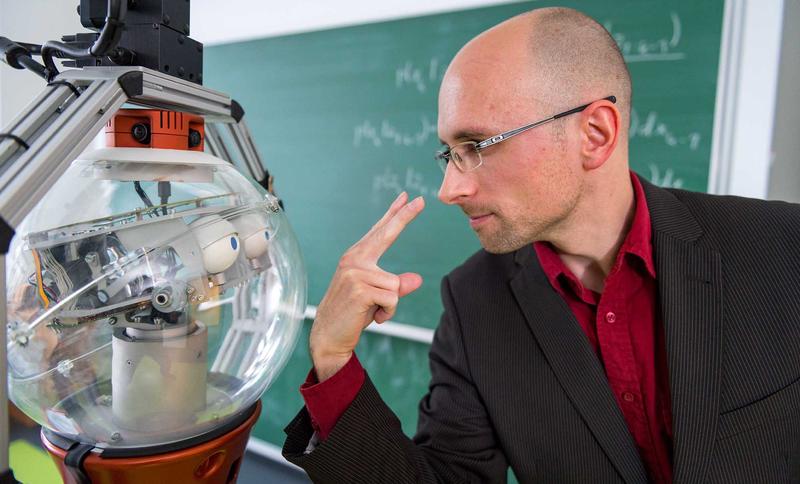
360	291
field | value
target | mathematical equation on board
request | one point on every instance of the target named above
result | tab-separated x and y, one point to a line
423	78
397	180
665	48
651	127
664	177
387	132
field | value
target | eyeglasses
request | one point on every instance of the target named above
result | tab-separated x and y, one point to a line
467	155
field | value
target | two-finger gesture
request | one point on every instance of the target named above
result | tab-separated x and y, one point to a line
360	291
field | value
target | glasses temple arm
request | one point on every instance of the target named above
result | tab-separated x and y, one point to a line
613	99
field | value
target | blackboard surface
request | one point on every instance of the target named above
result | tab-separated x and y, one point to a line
346	119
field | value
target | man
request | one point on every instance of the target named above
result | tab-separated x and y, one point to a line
610	330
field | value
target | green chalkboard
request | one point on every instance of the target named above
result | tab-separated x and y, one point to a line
346	119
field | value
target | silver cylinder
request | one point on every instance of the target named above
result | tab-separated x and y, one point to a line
158	378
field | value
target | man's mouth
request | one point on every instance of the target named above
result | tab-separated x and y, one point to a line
476	220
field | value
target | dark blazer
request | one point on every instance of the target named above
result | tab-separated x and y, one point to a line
515	382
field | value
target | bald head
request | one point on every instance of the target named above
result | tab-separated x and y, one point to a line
555	57
574	55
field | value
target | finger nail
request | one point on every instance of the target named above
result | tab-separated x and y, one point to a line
416	203
399	197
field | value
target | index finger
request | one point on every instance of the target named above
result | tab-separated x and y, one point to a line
378	241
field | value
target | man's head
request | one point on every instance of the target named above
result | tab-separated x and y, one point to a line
539	184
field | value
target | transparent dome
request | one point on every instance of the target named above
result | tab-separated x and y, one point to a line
153	296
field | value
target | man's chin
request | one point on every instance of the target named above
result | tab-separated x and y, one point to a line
503	246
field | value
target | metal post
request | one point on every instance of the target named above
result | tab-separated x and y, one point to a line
5	471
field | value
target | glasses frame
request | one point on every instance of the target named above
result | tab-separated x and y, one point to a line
446	155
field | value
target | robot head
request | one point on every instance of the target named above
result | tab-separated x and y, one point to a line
153	295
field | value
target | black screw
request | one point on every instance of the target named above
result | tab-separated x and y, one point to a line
181	71
194	138
141	133
181	39
166	19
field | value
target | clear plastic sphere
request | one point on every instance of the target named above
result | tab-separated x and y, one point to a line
153	296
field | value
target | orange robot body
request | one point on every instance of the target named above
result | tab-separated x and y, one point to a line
216	461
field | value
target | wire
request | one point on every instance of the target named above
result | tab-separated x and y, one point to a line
70	85
57	271
34	49
33	66
142	194
16	138
105	43
39	283
164	192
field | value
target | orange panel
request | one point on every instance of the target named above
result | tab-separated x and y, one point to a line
164	129
214	462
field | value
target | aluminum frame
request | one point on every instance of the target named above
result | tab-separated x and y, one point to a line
59	124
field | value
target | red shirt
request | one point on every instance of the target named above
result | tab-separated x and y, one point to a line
327	401
624	327
622	324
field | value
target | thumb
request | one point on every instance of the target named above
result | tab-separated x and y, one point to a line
409	282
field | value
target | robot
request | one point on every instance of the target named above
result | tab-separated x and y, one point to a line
154	292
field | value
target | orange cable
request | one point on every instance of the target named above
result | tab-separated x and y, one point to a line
39	282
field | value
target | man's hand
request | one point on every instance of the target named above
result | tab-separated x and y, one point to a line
361	292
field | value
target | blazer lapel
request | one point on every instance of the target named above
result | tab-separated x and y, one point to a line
689	275
575	365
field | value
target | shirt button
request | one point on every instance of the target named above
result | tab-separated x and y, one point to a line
628	397
610	317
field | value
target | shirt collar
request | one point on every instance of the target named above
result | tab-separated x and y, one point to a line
638	243
639	239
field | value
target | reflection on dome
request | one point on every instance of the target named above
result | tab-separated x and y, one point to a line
134	323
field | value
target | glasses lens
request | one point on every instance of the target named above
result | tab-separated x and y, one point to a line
442	164
466	155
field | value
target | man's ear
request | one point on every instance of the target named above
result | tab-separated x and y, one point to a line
600	128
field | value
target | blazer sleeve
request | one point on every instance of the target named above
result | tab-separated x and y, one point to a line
455	440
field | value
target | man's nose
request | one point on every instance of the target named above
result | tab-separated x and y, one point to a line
456	185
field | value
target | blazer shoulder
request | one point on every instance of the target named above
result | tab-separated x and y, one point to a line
741	217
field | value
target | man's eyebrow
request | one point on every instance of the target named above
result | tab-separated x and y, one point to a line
468	135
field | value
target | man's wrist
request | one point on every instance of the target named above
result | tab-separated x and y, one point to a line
327	365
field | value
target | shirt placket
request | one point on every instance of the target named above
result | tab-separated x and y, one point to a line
614	341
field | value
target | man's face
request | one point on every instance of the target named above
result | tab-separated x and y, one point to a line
527	186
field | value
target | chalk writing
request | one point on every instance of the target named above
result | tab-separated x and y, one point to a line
420	78
651	127
368	133
644	50
410	180
666	179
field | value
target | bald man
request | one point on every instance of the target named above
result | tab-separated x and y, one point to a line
609	330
